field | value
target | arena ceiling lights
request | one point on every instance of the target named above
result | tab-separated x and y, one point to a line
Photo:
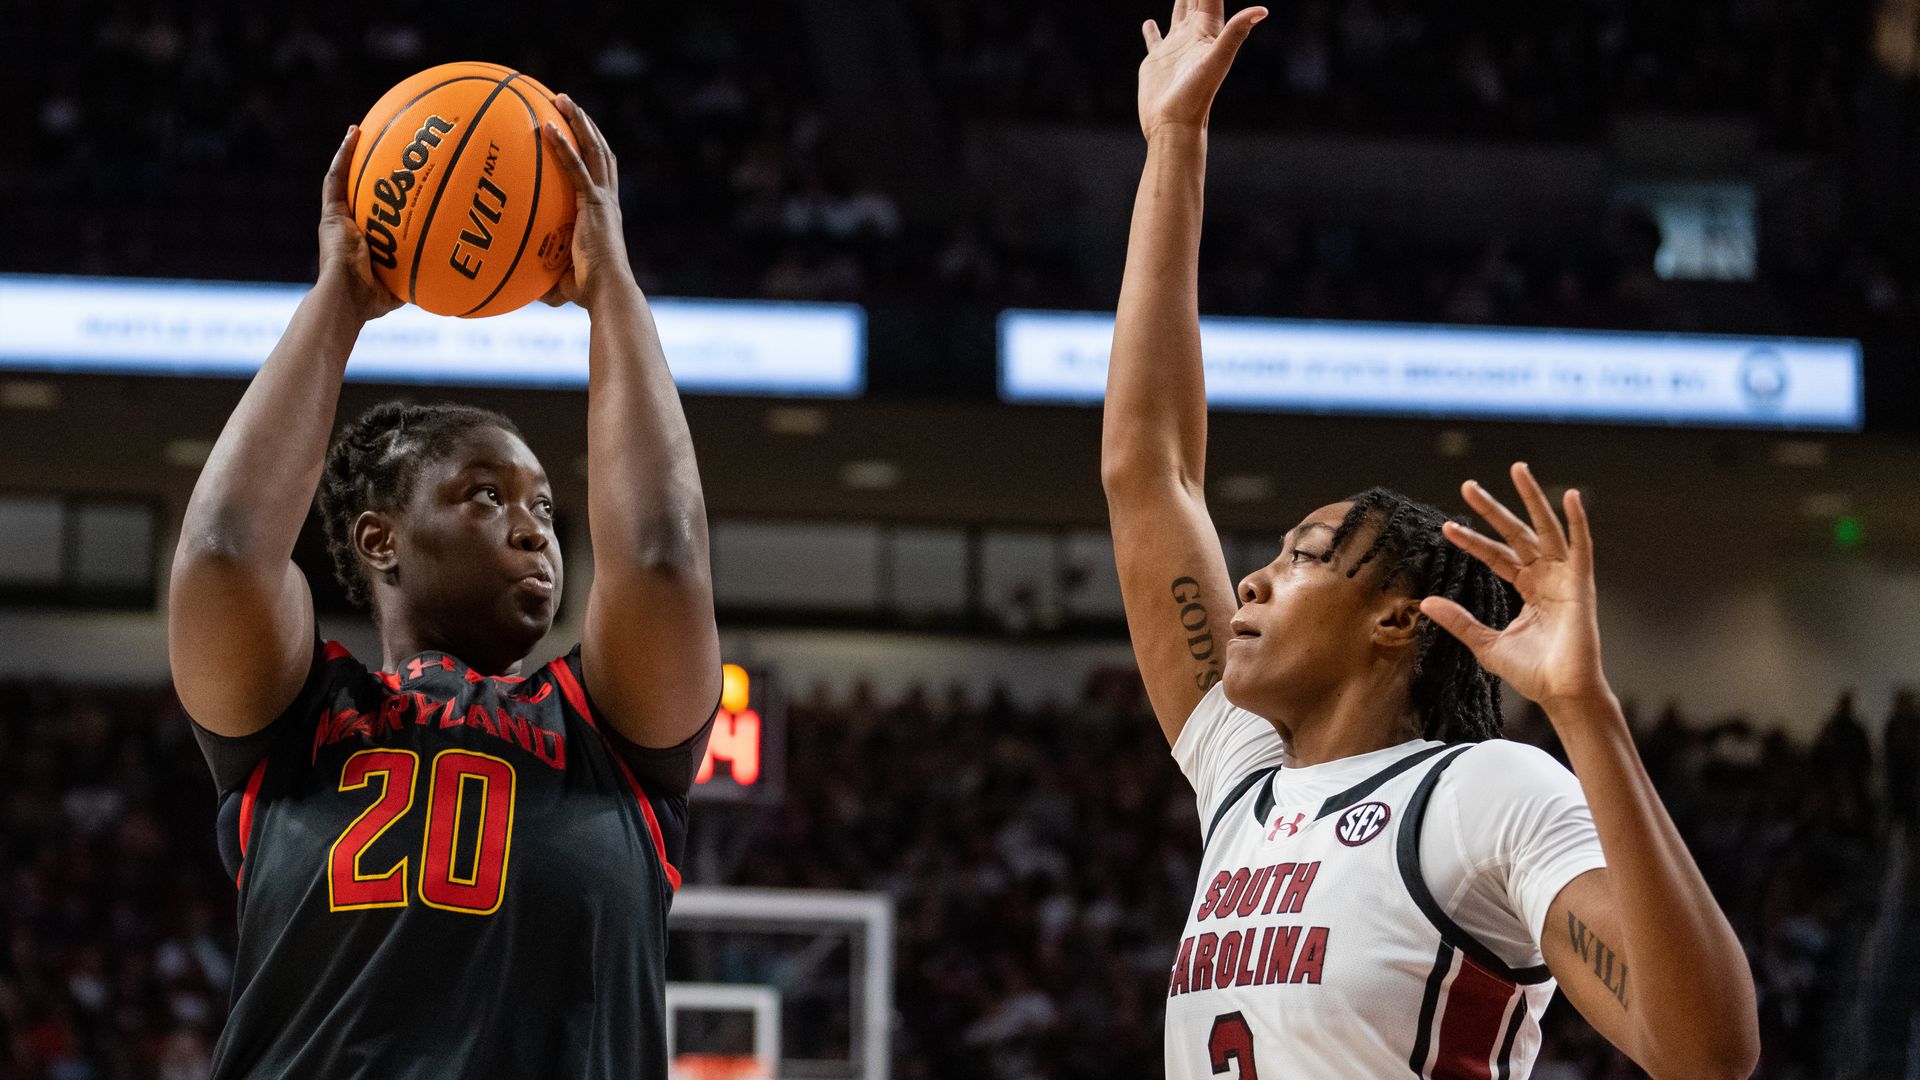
148	327
1465	372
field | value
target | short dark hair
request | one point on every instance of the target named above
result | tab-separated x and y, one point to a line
373	463
1458	700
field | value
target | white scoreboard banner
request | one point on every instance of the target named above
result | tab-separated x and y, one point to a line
1446	371
146	327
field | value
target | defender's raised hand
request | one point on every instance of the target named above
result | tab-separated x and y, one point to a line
1550	652
599	246
1184	68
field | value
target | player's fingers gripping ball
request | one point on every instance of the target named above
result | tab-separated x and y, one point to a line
465	210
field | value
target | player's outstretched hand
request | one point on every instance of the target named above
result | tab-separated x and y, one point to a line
599	246
343	247
1550	652
1184	68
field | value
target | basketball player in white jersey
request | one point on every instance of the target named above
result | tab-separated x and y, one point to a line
1387	887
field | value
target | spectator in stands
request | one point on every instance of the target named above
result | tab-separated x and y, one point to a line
1901	761
1843	752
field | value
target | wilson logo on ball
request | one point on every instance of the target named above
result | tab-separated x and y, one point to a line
1362	823
390	191
465	209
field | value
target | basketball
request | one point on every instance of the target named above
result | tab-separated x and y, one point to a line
464	211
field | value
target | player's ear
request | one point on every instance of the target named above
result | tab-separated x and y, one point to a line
374	541
1397	623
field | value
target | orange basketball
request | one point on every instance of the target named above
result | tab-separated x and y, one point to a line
464	208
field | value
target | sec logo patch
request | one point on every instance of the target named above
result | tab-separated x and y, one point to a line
1362	823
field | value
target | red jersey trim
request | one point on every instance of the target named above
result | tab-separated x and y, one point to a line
247	800
577	697
333	650
1474	1019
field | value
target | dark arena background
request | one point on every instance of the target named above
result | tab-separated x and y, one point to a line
940	837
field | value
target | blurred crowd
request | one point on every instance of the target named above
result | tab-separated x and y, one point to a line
1480	68
190	137
1041	877
1262	262
185	140
1267	261
117	915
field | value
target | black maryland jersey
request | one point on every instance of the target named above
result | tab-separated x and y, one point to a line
443	874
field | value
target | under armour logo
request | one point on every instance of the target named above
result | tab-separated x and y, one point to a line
416	668
1290	826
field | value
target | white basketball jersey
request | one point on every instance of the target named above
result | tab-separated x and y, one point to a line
1315	949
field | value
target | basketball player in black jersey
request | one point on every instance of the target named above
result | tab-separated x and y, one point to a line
450	866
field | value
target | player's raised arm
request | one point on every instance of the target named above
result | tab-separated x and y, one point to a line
650	650
1640	947
1173	576
239	614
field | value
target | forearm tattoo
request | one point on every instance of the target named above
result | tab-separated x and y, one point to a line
1608	967
1193	619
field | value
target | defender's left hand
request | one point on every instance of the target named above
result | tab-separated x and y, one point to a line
1550	652
599	245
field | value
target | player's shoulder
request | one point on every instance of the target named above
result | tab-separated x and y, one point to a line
333	667
569	660
1216	720
559	680
1221	744
333	654
1502	770
340	674
1493	757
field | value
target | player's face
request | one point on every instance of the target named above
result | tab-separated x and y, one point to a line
478	560
1304	627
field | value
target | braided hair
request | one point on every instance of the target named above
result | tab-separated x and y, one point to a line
372	465
1458	700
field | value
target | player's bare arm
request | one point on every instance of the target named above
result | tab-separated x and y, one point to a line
650	648
1641	948
234	589
1173	576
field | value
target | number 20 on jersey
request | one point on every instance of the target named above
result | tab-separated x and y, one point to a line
471	881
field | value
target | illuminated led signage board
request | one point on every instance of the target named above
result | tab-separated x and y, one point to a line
142	327
1464	372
